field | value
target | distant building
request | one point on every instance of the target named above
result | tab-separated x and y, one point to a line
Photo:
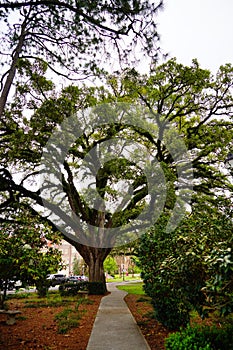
68	255
123	263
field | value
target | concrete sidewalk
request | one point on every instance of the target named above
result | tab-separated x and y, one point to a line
114	327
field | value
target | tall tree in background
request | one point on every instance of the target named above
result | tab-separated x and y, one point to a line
187	99
74	38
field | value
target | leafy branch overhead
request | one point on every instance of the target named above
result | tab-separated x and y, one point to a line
104	174
75	38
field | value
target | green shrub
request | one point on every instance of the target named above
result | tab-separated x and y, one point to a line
63	314
188	339
96	288
170	308
52	300
42	287
18	296
67	319
190	266
83	301
72	289
172	313
206	338
220	338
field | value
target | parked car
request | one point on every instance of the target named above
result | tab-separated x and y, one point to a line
8	283
18	284
79	278
56	279
74	279
84	278
11	284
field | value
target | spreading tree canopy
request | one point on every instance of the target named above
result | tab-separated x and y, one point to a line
144	146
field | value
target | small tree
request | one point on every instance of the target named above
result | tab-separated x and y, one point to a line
26	252
110	265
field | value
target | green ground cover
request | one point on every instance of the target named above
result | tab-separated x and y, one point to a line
133	288
118	278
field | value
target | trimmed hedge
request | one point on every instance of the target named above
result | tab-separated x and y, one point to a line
96	288
71	289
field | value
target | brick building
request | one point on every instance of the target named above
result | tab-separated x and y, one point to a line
69	253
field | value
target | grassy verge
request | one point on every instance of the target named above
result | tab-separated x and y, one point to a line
119	278
133	288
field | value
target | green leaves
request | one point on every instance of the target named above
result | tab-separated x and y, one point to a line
71	33
182	100
193	266
27	249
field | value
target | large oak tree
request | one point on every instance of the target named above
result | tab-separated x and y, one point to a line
173	98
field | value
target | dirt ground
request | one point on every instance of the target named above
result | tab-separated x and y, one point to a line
36	328
152	330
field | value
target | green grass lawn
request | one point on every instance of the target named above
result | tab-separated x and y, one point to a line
133	288
118	278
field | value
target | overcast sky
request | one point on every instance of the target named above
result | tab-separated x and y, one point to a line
201	29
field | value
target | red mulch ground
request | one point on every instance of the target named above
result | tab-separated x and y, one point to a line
152	330
37	329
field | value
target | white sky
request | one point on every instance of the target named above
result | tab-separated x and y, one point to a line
201	29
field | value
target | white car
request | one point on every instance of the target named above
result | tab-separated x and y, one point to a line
84	278
18	284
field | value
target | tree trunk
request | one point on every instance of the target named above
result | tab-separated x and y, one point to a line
12	70
3	295
95	262
96	270
94	258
